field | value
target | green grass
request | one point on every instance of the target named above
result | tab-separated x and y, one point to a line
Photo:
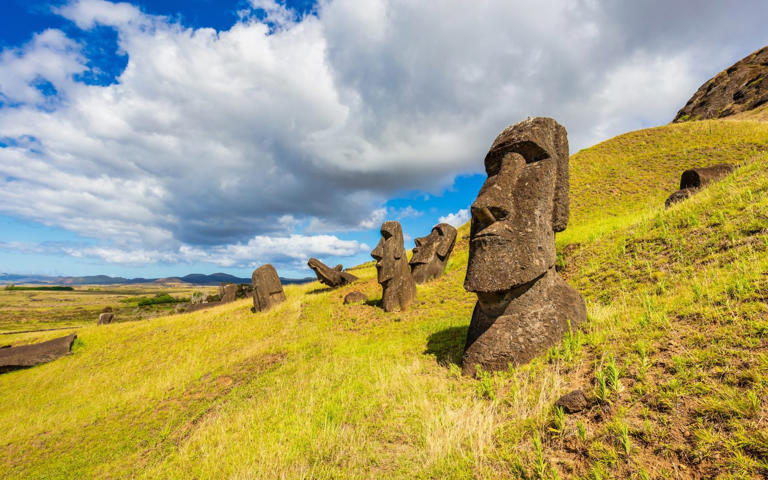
678	332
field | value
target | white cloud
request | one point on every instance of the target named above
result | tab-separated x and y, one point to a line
456	219
209	140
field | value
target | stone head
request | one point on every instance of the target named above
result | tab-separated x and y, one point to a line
389	251
519	208
438	243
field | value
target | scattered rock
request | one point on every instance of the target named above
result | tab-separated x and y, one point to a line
333	277
14	358
267	289
106	318
431	253
741	87
678	196
392	268
355	297
523	305
106	310
573	402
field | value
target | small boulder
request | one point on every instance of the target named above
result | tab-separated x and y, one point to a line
573	402
355	297
106	310
679	196
106	318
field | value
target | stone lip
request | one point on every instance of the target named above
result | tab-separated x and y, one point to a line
332	277
741	87
14	358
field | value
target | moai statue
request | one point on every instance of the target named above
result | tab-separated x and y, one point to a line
694	179
394	275
333	277
432	252
523	306
228	293
267	289
105	318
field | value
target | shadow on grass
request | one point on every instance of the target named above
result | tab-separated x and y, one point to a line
374	302
447	345
319	290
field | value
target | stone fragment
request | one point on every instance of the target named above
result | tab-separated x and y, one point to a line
333	277
267	289
523	306
14	358
106	318
679	196
573	402
392	268
432	252
355	297
228	293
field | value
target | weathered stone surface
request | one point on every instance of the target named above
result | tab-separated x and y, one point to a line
394	274
679	196
267	289
523	306
573	402
105	318
244	290
355	297
699	177
741	87
228	293
30	355
431	253
333	277
106	310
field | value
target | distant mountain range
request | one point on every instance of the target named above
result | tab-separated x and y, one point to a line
193	278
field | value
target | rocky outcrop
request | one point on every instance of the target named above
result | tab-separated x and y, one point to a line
741	87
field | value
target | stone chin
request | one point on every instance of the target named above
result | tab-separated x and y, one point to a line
493	266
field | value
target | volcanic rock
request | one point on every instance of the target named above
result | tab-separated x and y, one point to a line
431	253
30	355
106	318
333	277
392	268
267	289
355	297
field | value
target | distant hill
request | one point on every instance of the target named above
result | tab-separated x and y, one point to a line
740	88
193	278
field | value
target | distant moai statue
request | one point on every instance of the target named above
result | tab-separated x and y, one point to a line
333	277
394	275
105	318
227	293
523	306
431	253
267	289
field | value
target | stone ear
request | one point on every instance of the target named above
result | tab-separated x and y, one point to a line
560	202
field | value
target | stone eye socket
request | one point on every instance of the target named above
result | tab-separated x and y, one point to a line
498	213
386	235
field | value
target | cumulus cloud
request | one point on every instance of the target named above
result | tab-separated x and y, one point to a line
221	142
456	219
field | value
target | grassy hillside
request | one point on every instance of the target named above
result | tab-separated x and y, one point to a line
675	355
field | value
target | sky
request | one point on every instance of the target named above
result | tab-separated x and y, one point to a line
159	138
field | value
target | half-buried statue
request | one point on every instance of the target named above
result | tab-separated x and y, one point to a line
267	289
431	253
394	275
523	306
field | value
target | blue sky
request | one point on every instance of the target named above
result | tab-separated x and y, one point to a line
158	138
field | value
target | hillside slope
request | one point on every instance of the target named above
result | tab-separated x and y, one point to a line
675	351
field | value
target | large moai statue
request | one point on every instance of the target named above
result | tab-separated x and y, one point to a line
333	277
267	289
523	305
394	275
432	252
